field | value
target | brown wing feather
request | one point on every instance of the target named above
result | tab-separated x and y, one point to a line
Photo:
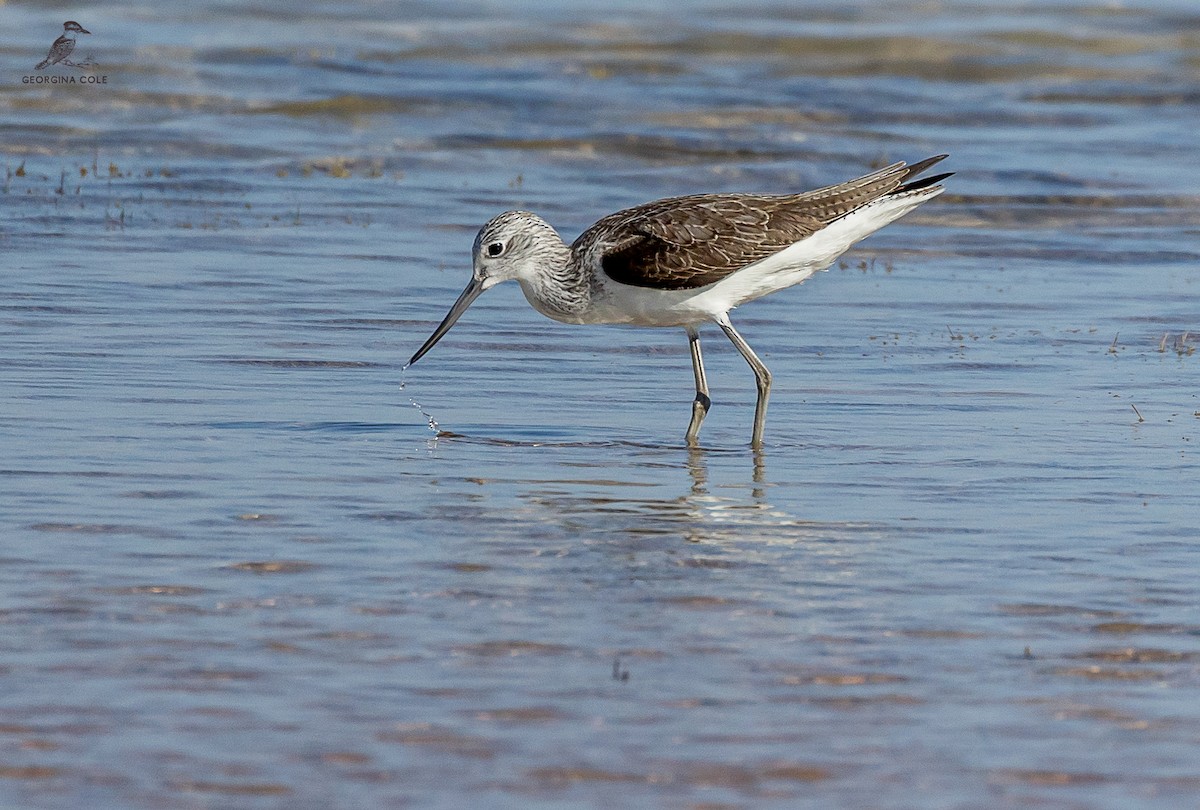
689	242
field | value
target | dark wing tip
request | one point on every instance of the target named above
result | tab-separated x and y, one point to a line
924	182
917	168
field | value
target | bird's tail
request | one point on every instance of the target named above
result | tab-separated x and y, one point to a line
864	220
42	64
912	171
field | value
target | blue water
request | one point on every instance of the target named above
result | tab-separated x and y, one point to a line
241	570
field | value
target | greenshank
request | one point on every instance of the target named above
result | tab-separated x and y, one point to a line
684	261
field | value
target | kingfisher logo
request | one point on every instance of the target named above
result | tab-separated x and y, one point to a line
63	47
61	54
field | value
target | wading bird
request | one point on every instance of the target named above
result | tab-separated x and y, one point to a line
683	261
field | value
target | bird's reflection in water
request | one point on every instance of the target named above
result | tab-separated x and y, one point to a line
639	494
698	468
699	471
760	474
721	517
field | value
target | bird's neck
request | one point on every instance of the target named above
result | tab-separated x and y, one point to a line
558	288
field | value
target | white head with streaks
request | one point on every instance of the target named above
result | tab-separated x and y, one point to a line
513	245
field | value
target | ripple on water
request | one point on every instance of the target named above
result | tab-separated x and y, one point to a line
243	567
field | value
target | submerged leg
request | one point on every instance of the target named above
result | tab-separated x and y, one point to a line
701	403
762	378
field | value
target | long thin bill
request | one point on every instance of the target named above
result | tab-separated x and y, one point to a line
473	290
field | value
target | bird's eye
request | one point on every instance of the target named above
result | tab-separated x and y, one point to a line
495	249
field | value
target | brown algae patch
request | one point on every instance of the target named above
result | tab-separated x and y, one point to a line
856	702
29	772
1098	673
343	106
1126	628
564	775
702	602
441	739
1038	609
512	647
1047	777
842	679
1132	655
345	758
746	779
468	568
521	715
233	788
273	567
155	590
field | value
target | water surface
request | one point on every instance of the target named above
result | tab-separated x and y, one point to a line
240	569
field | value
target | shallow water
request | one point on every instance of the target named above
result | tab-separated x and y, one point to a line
240	570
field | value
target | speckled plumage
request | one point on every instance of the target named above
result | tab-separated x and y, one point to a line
688	242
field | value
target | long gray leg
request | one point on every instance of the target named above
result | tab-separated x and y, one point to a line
702	402
762	378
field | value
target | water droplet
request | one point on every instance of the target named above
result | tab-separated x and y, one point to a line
433	424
